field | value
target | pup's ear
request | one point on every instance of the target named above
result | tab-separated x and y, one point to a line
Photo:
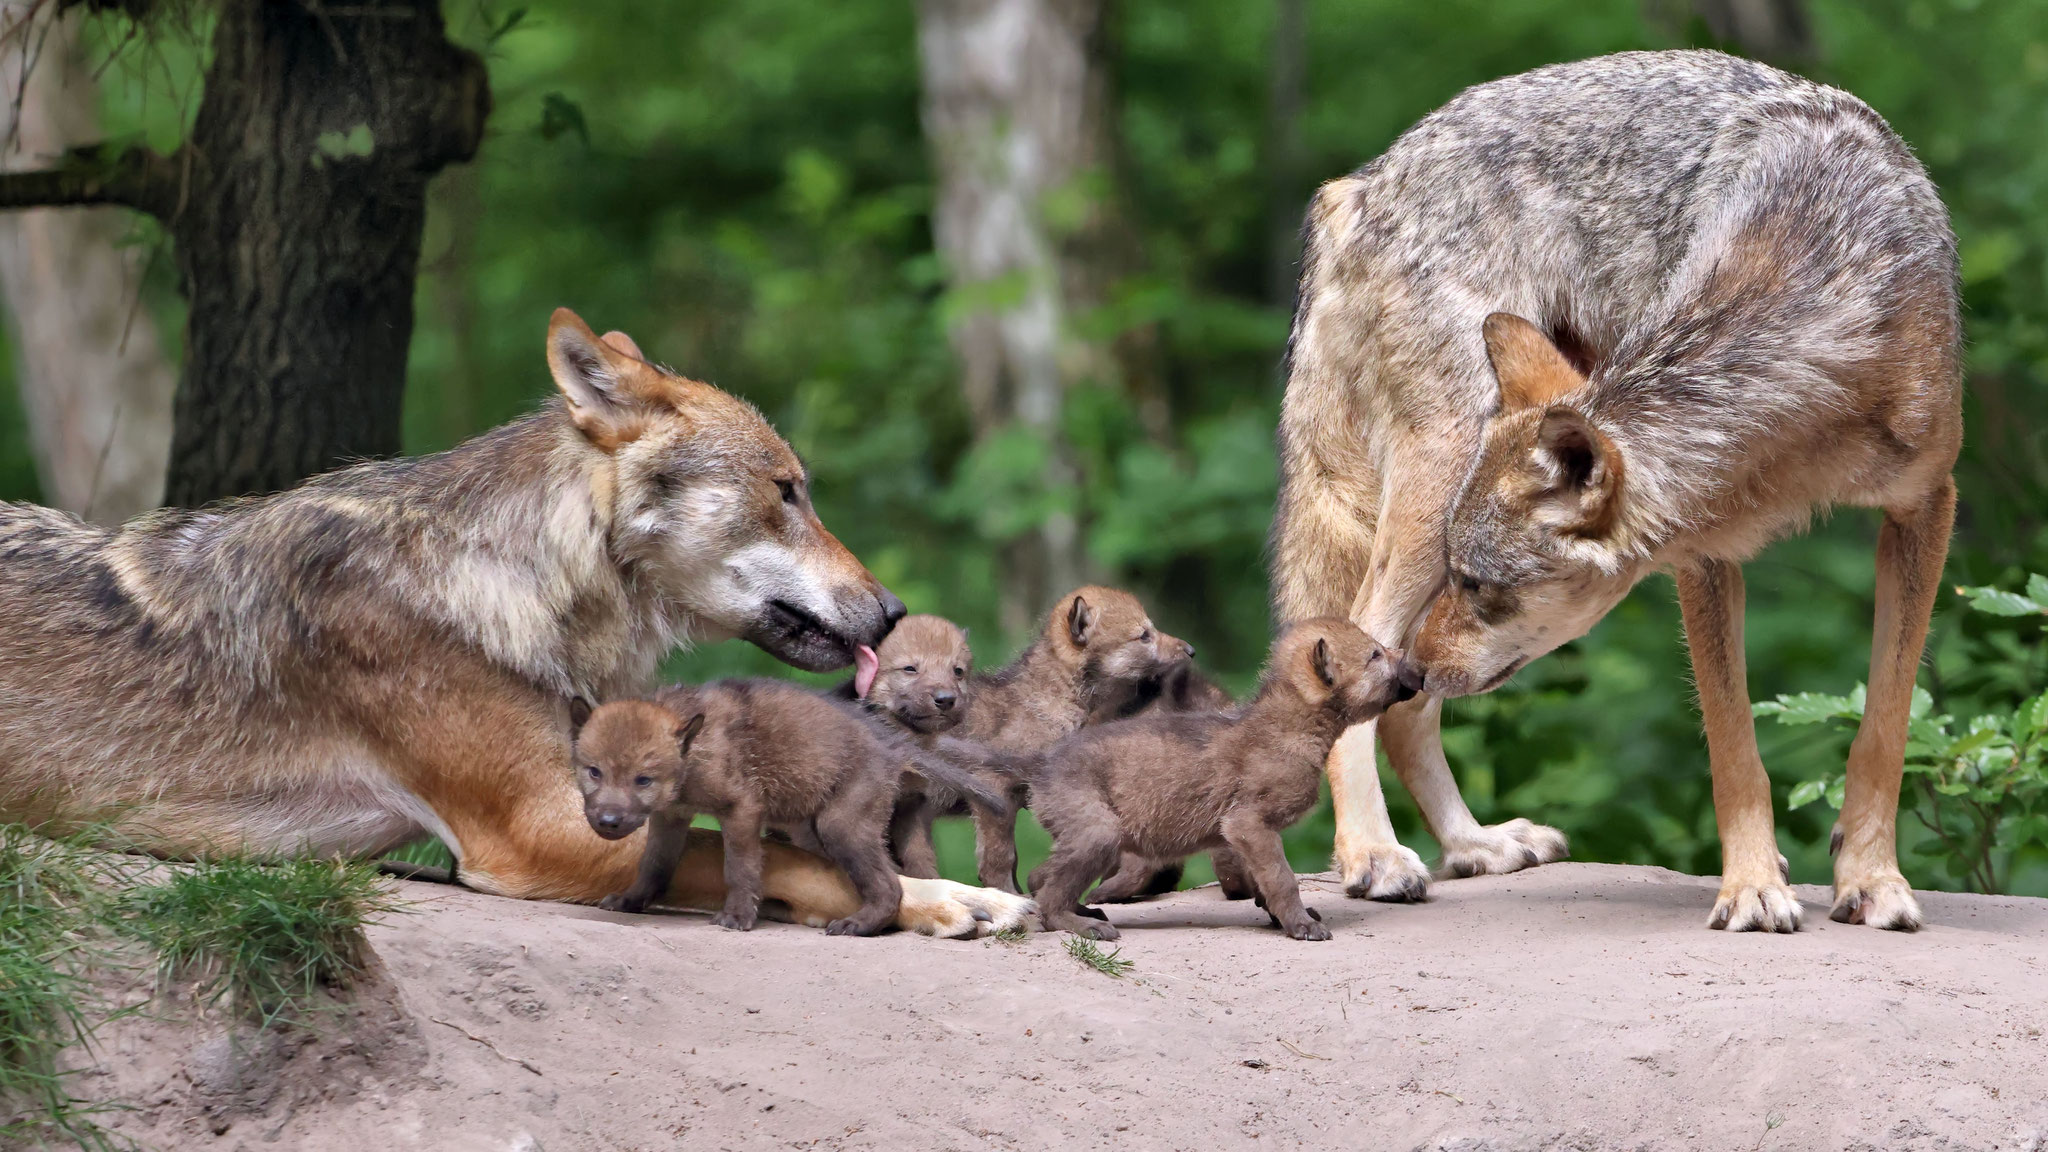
1529	367
1080	618
624	343
1585	471
1319	661
579	715
602	384
686	733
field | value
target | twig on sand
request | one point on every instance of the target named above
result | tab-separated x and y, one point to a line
502	1054
1291	1046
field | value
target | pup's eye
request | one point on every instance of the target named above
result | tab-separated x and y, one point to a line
1145	637
594	773
959	672
788	488
642	781
1376	655
1469	583
910	668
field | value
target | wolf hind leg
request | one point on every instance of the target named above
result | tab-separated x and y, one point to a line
1911	548
1414	738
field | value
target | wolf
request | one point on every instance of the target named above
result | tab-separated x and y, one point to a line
390	650
1637	313
1165	784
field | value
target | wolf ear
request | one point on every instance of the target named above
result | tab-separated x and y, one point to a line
1319	660
1080	618
624	343
600	381
1529	367
686	733
579	715
1586	471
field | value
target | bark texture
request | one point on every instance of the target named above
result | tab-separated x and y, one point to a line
93	379
1015	113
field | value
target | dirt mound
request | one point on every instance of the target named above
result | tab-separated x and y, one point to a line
1573	1006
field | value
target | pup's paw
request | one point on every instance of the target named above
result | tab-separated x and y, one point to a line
1390	872
1092	929
957	911
1755	908
1499	848
1308	929
734	920
1880	900
621	902
850	926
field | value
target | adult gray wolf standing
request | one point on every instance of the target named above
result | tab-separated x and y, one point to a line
1648	311
392	649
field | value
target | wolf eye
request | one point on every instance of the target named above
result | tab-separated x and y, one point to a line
1469	583
910	668
642	781
788	488
1145	636
1376	656
594	773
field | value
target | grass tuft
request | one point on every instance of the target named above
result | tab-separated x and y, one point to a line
1014	934
265	938
1110	964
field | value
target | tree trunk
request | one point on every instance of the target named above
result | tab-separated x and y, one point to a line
1014	113
1286	200
297	229
93	380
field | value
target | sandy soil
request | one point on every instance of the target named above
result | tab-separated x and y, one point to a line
1574	1006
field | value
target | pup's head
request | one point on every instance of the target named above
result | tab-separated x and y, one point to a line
1535	551
1331	663
1107	637
919	674
631	759
712	508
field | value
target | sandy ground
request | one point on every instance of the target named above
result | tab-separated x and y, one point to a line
1574	1006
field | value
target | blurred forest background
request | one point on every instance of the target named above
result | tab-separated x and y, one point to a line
1015	277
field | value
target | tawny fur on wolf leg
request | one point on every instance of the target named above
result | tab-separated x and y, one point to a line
1754	896
1373	862
1414	741
1910	550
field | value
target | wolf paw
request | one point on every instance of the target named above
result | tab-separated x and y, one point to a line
1389	872
1499	848
1880	901
957	911
1755	908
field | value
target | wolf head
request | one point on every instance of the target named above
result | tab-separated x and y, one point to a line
1533	543
630	759
920	677
711	509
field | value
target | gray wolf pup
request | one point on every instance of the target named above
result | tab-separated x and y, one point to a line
1644	312
1167	784
390	649
757	754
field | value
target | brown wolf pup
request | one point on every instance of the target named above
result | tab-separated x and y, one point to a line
917	682
390	650
1645	312
1096	652
1170	784
757	754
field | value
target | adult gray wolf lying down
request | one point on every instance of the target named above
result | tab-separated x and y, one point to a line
1648	311
391	649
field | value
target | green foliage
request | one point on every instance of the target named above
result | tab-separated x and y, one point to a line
267	939
1978	787
1110	963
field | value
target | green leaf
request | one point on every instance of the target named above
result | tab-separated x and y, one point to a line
355	144
2037	587
1836	787
1923	702
1812	707
1999	602
1805	792
559	115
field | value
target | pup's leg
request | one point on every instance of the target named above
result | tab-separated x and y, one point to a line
1413	732
995	846
1259	848
910	836
667	836
1086	835
1137	877
850	828
743	856
1230	875
1911	548
1754	896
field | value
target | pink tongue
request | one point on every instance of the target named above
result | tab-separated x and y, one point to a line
865	665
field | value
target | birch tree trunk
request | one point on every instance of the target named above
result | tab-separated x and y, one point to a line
1014	114
93	379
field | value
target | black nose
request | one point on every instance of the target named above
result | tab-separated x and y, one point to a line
608	820
1191	650
944	701
1409	678
892	609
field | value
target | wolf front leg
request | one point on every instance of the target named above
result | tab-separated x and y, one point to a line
1414	738
1374	863
1754	895
1911	548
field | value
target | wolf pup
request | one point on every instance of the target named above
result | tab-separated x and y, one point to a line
1645	312
1091	660
916	681
389	650
757	754
1170	784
